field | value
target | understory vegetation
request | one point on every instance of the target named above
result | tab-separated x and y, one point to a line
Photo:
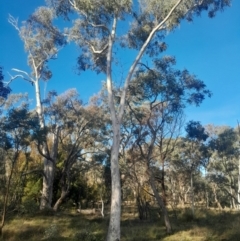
207	225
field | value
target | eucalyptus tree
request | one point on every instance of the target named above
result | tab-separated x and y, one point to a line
101	29
193	152
80	135
156	99
223	166
41	42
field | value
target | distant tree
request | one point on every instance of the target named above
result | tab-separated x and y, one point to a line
223	167
193	153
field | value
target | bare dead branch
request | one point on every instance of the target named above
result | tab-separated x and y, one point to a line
13	21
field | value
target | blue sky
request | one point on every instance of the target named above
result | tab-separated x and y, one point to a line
209	48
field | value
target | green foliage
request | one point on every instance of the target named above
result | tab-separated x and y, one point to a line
196	131
32	189
225	143
163	83
28	207
4	90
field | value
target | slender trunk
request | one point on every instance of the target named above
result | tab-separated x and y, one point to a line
115	213
192	195
102	209
174	194
163	185
161	204
181	194
186	195
64	182
60	200
238	195
207	200
215	197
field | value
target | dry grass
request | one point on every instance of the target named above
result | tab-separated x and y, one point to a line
208	225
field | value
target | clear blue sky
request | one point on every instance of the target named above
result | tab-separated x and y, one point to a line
209	48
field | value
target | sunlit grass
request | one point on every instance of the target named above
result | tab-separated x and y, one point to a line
207	225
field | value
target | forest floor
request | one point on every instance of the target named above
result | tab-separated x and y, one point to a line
208	225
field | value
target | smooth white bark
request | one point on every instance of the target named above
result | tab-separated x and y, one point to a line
116	117
192	195
115	213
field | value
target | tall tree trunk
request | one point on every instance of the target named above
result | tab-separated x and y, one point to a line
161	204
47	189
49	166
115	213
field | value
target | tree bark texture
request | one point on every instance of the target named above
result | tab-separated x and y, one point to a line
47	189
115	213
64	182
48	165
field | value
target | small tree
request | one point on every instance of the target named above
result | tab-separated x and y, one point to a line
193	152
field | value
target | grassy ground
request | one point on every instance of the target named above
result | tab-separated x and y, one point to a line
208	225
